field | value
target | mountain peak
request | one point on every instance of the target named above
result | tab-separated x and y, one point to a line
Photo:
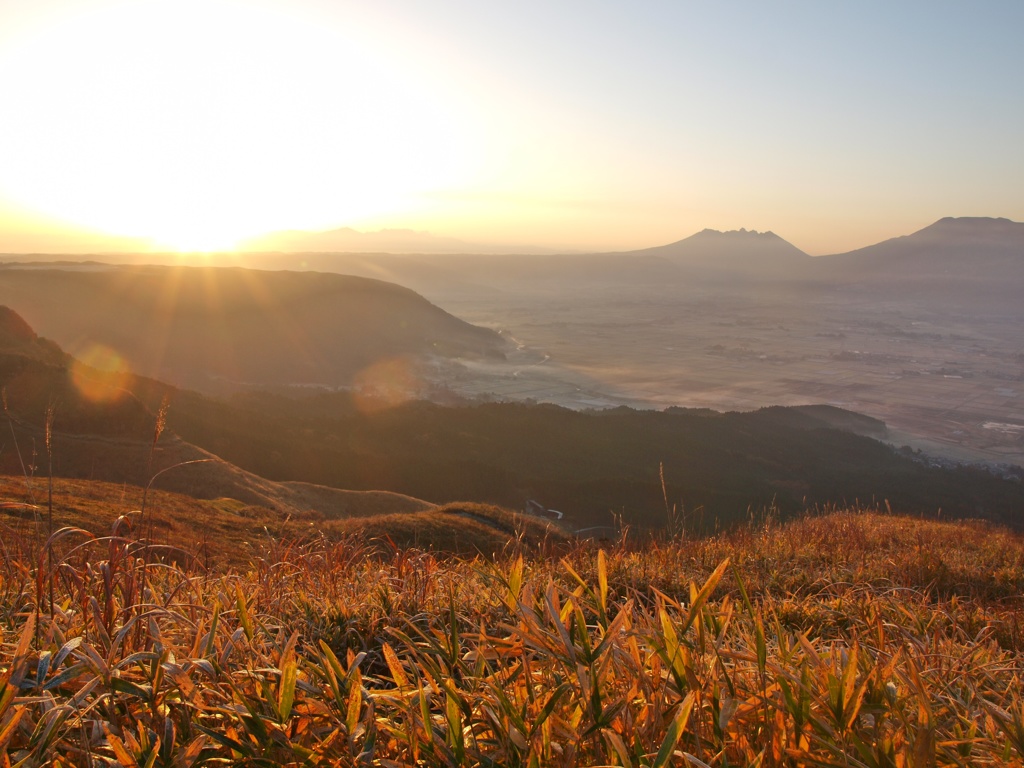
735	252
972	220
966	247
972	225
738	233
971	228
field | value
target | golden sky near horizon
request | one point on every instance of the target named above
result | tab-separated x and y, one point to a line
194	124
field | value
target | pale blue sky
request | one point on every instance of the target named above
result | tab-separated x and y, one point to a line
581	125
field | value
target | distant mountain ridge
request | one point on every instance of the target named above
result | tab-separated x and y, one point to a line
980	234
349	240
986	252
708	249
970	248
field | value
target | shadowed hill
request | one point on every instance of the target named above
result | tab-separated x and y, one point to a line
104	426
18	338
14	331
104	433
218	329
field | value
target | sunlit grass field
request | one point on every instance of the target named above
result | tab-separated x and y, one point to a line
851	638
224	532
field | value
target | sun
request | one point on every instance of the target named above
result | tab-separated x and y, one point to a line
197	123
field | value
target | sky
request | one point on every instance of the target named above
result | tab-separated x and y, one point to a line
196	124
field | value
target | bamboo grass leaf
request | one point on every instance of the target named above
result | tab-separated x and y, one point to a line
701	597
674	732
618	747
354	704
397	673
286	690
43	666
124	757
19	662
515	584
243	612
120	685
8	730
66	650
548	708
233	744
555	615
211	636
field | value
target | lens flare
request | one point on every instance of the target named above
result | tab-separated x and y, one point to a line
99	374
385	384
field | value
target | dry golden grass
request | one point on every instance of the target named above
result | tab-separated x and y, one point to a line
210	527
464	528
224	531
853	639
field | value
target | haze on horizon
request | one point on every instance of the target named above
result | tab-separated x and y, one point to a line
194	124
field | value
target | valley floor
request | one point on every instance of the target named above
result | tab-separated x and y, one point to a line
947	380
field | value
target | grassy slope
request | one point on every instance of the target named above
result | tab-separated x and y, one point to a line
223	530
868	640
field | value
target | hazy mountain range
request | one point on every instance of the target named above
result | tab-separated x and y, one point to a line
733	251
986	253
346	239
948	243
201	326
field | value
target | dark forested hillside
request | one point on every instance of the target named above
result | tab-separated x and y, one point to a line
587	464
